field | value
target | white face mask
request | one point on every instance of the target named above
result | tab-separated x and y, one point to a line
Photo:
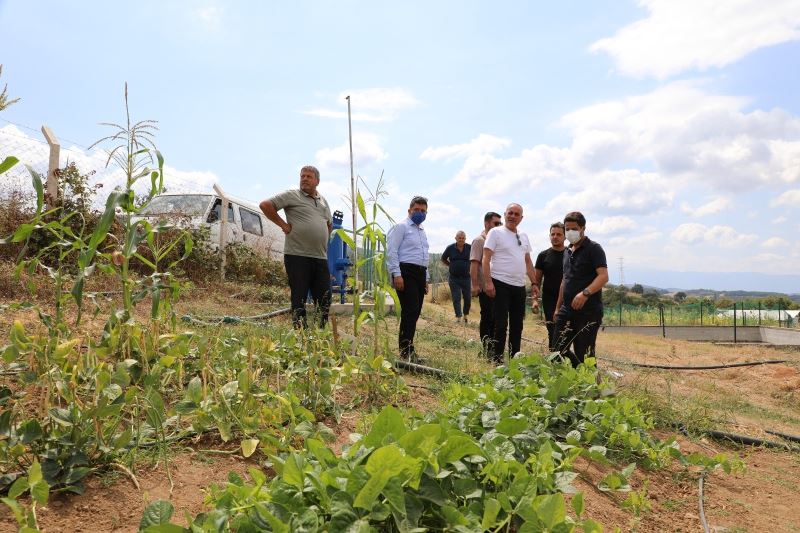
573	235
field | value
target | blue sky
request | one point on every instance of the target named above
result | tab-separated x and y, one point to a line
673	125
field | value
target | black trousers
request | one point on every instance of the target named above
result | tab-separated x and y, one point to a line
549	307
461	288
509	311
308	274
486	326
411	298
578	332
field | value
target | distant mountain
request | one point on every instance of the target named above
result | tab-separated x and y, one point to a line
714	281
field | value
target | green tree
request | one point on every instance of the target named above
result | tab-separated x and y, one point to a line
4	100
679	297
637	289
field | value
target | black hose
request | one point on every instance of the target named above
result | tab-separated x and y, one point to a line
420	369
219	320
703	367
783	435
738	439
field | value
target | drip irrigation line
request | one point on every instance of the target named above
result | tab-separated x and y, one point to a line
701	367
738	439
702	511
420	369
219	320
786	436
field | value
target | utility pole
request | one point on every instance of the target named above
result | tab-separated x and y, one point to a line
353	203
51	196
621	271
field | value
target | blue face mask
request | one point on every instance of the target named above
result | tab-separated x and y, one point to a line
417	217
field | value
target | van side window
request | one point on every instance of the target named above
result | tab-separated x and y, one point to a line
251	222
213	215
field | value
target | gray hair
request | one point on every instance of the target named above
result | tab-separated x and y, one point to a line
460	232
312	169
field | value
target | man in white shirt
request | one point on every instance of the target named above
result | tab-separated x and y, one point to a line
506	261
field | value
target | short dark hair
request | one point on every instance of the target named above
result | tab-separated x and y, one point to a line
576	216
490	215
559	225
421	200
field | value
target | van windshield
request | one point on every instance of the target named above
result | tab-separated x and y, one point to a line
180	204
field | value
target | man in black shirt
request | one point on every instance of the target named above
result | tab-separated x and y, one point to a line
579	310
550	266
456	257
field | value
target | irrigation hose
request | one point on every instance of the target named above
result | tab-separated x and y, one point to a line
738	439
219	320
420	369
783	435
702	367
702	511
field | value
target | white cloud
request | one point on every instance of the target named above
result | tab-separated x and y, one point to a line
691	135
493	176
367	149
209	16
717	205
627	191
614	224
693	233
482	144
775	242
789	198
369	105
698	34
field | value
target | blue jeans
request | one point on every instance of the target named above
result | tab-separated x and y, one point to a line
461	287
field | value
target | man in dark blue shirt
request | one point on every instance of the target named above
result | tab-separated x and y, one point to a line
579	310
456	257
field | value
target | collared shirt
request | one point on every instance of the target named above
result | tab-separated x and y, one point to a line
476	254
309	217
406	243
580	269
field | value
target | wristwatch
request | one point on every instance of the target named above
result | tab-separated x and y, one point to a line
586	292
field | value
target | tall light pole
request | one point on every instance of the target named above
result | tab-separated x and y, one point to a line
353	203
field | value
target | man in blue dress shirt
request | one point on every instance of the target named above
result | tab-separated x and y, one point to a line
407	261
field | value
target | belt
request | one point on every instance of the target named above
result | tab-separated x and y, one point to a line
412	265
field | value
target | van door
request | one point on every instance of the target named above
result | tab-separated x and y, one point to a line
233	232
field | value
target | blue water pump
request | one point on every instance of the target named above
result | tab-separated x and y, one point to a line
338	262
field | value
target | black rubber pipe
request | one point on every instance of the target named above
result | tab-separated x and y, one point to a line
738	439
420	369
702	367
783	435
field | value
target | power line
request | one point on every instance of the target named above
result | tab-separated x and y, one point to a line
38	132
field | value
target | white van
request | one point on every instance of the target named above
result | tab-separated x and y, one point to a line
246	223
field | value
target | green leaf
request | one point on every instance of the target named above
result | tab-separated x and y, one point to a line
512	426
18	487
31	431
456	447
551	509
195	390
158	512
7	163
491	508
293	471
166	528
40	491
388	427
577	504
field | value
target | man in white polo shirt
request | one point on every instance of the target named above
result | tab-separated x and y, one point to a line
506	261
